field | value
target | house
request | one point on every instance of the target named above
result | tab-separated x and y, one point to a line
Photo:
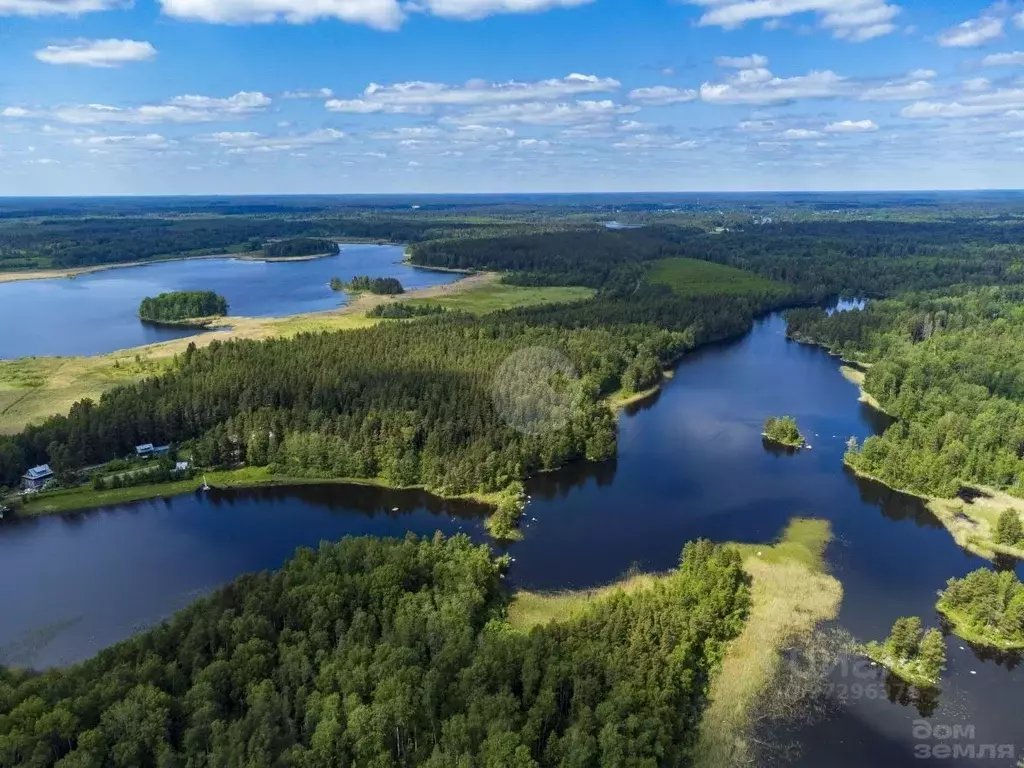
144	451
36	478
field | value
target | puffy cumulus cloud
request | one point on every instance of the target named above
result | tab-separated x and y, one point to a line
421	96
898	90
149	141
800	134
180	109
974	32
382	14
923	74
97	53
1005	101
56	7
854	20
539	113
250	142
759	86
661	96
756	126
474	132
15	112
753	61
976	84
851	126
533	144
1014	59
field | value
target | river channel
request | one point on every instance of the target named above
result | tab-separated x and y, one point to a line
691	463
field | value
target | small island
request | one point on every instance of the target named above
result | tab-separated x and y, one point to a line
184	308
382	286
916	658
783	430
299	247
986	607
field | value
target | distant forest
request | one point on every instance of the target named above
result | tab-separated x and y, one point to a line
182	305
300	246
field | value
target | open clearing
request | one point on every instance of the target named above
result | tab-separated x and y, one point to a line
692	277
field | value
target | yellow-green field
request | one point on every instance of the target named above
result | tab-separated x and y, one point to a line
531	609
692	277
496	296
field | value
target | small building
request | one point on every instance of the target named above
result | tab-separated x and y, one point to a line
144	451
36	478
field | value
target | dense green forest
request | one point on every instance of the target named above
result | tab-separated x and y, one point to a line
951	370
405	311
821	258
300	246
383	286
986	606
374	652
783	430
182	305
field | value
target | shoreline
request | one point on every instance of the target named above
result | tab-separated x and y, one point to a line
961	629
971	532
73	272
84	498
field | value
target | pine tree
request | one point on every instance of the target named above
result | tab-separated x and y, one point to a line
1009	530
932	654
905	637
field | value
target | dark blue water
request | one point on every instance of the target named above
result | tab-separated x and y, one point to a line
691	463
96	313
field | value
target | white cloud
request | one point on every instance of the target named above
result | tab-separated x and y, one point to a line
854	20
1004	100
15	112
851	126
473	132
246	142
423	95
899	91
661	95
754	61
56	7
97	53
533	143
800	133
321	93
973	32
477	9
633	126
180	109
757	126
538	113
1014	59
1019	19
976	84
759	86
923	74
382	14
102	145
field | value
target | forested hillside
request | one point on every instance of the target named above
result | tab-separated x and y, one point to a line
376	652
951	369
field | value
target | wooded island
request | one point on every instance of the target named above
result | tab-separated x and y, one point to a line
382	286
183	307
300	246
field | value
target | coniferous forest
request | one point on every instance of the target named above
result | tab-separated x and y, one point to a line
300	246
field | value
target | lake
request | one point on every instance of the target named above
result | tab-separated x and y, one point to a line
691	463
97	312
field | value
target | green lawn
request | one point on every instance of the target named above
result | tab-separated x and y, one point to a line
692	277
497	296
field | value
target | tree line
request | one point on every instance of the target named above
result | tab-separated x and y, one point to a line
387	652
300	246
383	286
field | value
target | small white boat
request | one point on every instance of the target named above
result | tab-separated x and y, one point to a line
206	485
394	509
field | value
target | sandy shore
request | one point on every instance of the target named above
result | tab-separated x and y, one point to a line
50	274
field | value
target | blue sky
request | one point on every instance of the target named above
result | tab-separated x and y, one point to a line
350	96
